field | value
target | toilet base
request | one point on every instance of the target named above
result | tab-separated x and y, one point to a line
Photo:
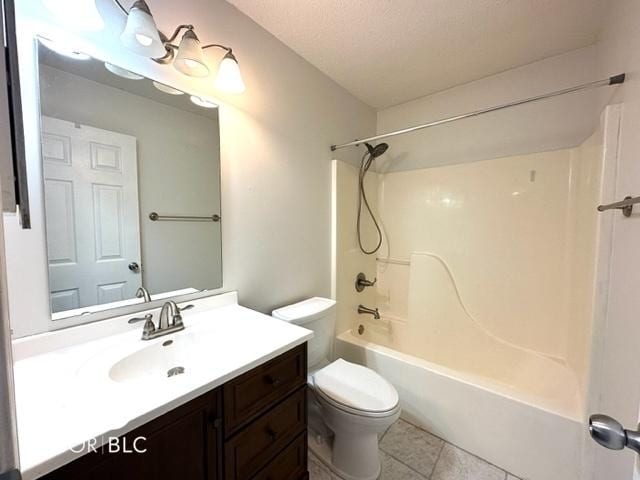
322	448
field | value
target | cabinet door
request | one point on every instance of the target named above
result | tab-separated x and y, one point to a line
182	444
186	449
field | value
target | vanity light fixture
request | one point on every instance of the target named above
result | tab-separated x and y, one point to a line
167	89
201	102
62	48
121	72
141	36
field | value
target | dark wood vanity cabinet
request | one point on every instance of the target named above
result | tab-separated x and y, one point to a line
253	427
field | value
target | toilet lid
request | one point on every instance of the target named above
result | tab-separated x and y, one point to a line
356	387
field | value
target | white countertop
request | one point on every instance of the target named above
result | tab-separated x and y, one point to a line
65	395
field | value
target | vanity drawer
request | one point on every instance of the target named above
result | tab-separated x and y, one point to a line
252	448
257	390
290	464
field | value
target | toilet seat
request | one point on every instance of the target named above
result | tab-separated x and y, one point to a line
356	389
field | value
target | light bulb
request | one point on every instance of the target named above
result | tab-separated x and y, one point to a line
189	59
121	72
140	34
229	78
201	102
64	48
167	89
144	39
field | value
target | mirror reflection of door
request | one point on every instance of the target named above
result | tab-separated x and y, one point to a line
92	219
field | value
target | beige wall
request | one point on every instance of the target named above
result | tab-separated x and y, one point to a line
504	228
582	232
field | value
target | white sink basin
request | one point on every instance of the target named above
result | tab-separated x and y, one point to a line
196	351
176	355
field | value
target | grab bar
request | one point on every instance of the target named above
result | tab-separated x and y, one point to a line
625	205
393	261
156	217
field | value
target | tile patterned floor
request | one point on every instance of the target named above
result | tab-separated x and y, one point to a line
410	453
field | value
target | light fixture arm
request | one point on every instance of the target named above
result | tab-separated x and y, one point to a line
217	45
229	51
121	7
168	43
177	31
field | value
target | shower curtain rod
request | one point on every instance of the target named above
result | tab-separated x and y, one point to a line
614	80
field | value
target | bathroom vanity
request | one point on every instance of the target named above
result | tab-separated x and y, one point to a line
252	427
238	410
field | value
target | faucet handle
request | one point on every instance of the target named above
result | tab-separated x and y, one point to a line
362	282
148	316
177	318
149	327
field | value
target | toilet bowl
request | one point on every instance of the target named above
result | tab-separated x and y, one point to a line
357	405
350	405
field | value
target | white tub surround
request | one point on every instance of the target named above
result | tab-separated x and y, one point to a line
68	390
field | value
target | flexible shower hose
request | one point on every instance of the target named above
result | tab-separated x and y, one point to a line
365	164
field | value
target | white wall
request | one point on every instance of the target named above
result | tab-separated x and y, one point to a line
568	120
276	170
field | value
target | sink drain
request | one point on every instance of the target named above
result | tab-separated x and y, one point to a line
172	372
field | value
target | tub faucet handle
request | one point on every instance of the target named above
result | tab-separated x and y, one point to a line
362	282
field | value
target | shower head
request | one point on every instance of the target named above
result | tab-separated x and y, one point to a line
378	150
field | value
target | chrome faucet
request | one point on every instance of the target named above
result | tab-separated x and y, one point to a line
169	316
371	311
170	321
143	293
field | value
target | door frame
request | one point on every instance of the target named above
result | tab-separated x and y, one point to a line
596	460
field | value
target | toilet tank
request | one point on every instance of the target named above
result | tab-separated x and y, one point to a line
317	314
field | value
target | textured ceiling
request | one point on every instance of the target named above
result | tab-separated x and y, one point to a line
387	52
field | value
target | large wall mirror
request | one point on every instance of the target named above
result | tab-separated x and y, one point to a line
131	182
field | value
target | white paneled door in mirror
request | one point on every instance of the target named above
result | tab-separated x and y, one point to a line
91	209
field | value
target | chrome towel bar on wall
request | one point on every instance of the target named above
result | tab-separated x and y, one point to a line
156	217
625	205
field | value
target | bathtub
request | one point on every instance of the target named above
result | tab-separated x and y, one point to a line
524	416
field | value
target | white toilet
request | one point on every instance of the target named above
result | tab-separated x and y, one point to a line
349	405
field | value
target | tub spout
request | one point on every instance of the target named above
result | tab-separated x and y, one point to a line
371	311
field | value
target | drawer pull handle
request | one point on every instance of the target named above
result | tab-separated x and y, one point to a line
215	421
273	381
273	435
